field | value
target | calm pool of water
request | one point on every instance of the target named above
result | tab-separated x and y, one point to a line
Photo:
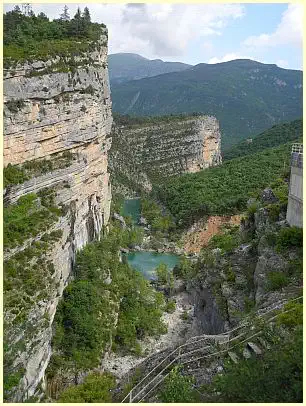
131	207
146	262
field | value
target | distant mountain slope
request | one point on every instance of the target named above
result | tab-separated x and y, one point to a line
274	136
247	97
125	66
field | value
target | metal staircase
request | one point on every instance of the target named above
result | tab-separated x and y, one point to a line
240	342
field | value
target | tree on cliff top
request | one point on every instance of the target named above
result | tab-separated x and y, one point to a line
65	14
31	29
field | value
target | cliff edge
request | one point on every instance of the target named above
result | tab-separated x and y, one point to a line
57	125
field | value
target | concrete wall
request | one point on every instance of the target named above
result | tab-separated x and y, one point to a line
295	198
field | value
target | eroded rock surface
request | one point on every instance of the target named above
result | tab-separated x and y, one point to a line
59	112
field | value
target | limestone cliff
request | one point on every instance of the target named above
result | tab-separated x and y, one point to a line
53	116
169	145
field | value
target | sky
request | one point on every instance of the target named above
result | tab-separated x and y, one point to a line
199	33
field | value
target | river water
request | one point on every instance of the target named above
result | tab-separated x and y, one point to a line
145	261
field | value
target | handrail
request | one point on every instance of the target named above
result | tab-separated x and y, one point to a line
205	336
210	355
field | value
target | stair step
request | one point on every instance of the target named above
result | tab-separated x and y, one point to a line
233	356
255	348
246	353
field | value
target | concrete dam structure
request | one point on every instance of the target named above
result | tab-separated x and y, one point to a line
295	197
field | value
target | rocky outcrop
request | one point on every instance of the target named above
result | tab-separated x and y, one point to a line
169	146
254	276
47	114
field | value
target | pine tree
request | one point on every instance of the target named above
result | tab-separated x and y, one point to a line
17	9
86	15
42	16
27	9
65	14
78	14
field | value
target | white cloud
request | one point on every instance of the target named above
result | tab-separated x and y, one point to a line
229	57
288	32
155	30
166	30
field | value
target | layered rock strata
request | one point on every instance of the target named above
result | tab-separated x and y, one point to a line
173	146
46	115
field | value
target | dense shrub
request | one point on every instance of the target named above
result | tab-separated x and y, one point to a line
15	174
177	388
86	313
184	269
170	306
289	237
12	175
29	216
276	376
277	280
95	388
152	212
15	105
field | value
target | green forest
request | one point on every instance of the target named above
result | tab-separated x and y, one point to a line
224	189
85	318
277	135
27	35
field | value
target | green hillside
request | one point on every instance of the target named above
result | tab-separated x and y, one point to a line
274	136
247	97
126	66
224	189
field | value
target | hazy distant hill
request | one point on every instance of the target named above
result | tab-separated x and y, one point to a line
246	96
126	66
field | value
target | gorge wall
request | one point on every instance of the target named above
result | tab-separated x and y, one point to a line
170	146
57	127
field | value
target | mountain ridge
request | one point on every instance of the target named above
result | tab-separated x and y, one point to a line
246	96
126	66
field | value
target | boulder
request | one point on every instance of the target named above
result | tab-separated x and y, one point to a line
142	221
117	216
268	196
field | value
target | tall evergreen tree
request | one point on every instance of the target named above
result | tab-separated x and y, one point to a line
42	16
17	9
27	9
65	14
78	14
86	15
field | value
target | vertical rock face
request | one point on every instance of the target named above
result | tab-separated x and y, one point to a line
170	145
209	139
47	115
